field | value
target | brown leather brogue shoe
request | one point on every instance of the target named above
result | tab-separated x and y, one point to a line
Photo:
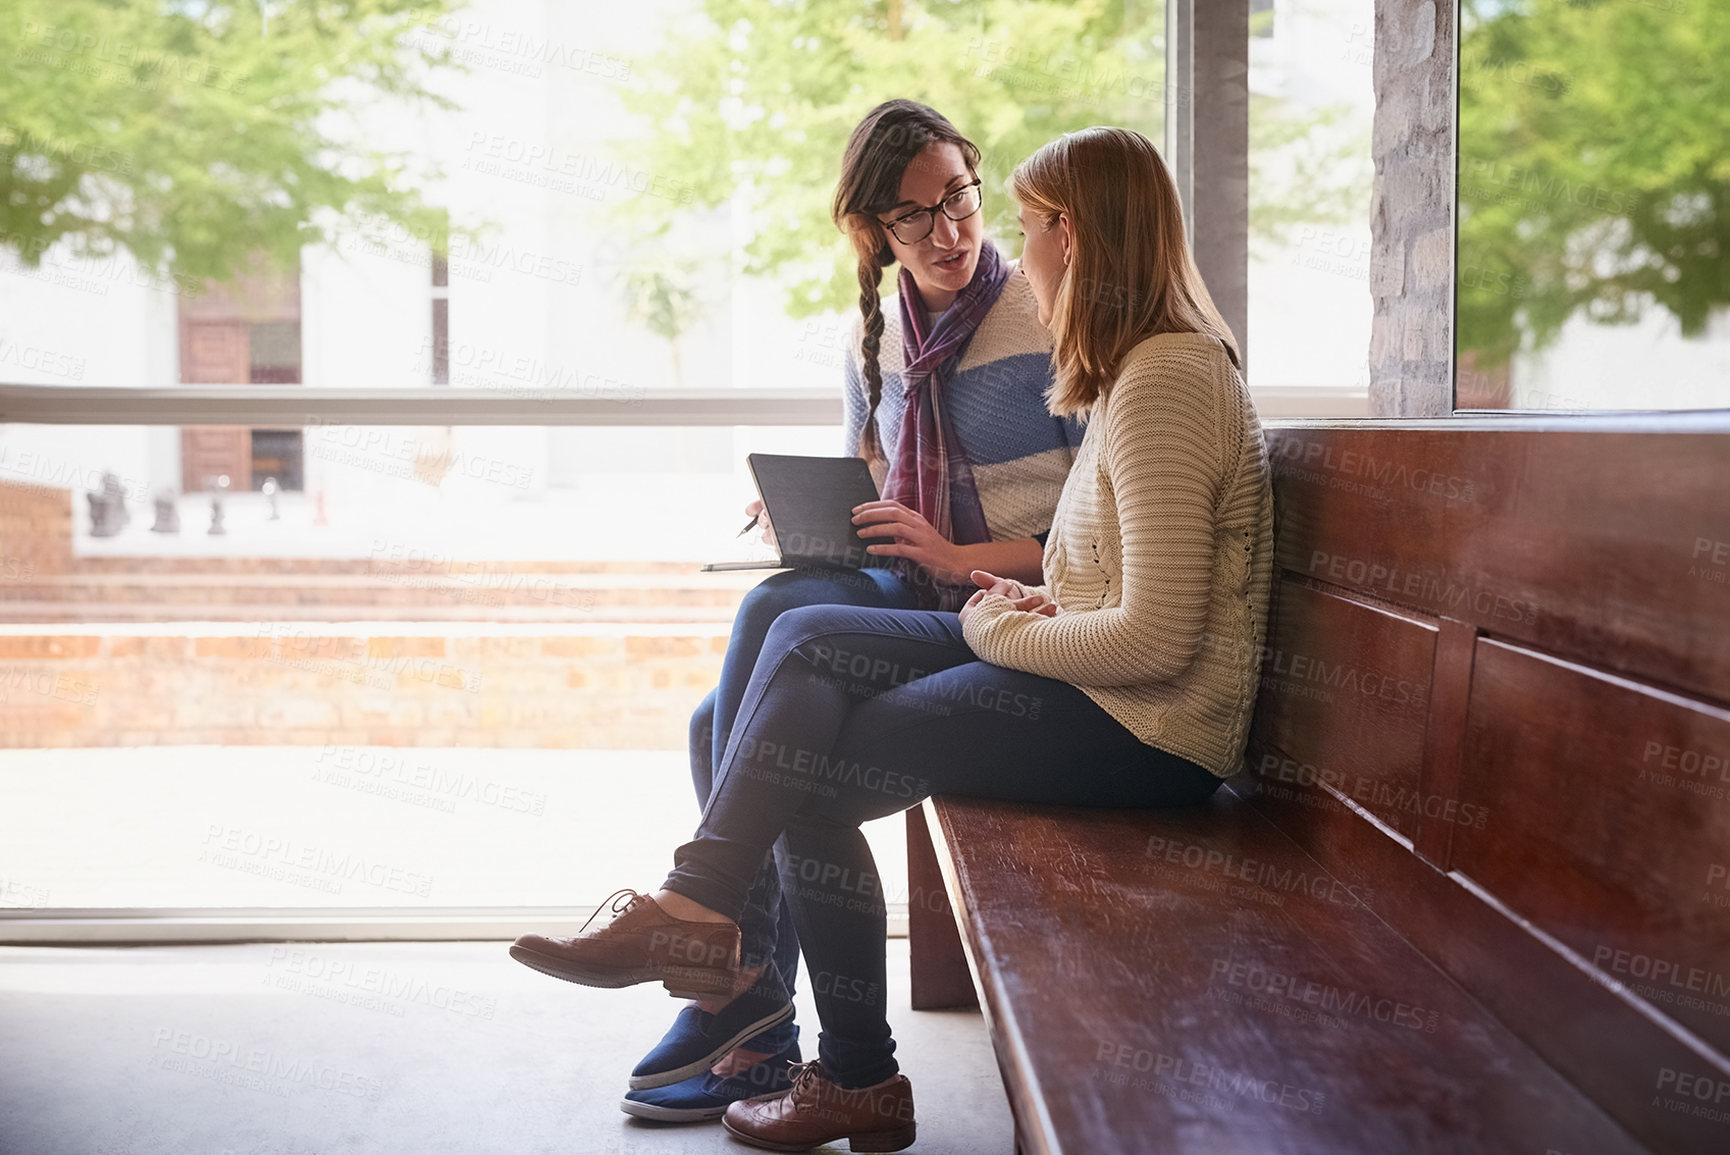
696	960
816	1111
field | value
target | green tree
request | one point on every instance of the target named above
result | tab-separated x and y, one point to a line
663	298
751	102
1310	168
1593	174
1304	168
754	99
199	134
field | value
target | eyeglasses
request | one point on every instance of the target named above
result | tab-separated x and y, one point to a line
911	228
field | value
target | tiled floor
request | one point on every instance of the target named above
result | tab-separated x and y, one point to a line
355	1049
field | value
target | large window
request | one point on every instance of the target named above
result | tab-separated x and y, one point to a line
543	274
636	198
1592	206
453	672
1311	104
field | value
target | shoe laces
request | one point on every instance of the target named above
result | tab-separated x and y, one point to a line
618	902
806	1076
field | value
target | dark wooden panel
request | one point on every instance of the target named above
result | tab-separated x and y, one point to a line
938	963
1609	547
1444	735
1609	825
1189	981
1598	1037
1345	691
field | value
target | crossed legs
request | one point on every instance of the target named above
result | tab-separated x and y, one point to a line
856	713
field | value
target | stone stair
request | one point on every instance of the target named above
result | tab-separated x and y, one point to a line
300	589
175	650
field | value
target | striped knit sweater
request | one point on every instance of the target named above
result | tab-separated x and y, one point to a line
996	400
1160	559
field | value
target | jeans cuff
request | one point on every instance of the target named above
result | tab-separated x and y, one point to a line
853	1080
718	898
774	1040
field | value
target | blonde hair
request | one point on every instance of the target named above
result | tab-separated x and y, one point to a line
1130	273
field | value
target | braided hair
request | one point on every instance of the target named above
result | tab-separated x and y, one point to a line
878	154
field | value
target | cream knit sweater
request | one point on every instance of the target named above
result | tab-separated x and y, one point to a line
1159	559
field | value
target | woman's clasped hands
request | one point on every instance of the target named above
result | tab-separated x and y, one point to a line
1019	596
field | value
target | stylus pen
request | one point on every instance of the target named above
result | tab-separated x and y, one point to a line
749	525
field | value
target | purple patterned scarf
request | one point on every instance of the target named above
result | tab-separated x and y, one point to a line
931	473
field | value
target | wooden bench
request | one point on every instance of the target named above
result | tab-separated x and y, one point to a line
1470	892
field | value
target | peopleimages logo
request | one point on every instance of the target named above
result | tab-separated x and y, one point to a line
395	775
257	1068
489	367
41	360
467	257
1421	587
472	39
37	468
1704	1096
757	756
1277	664
386	451
1704	763
1666	981
1492	180
140	68
231	845
498	154
23	142
1324	997
1705	1088
1268	875
362	984
1380	473
62	687
1174	1069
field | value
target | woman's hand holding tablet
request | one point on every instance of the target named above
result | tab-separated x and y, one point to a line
910	536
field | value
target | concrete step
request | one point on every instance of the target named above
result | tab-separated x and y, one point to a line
49	612
415	563
652	594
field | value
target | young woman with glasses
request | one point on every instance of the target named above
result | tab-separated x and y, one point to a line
945	388
1126	679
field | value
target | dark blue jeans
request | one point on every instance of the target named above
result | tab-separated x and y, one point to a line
766	930
857	713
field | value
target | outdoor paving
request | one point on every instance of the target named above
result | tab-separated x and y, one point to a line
273	826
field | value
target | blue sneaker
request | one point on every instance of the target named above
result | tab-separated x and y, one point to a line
705	1097
697	1038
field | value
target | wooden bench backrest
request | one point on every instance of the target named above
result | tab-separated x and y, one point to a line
1497	684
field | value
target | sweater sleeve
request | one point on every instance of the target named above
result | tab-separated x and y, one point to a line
1162	455
852	394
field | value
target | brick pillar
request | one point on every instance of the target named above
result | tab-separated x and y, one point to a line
35	532
1412	214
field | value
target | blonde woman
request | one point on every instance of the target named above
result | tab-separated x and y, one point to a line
1125	679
